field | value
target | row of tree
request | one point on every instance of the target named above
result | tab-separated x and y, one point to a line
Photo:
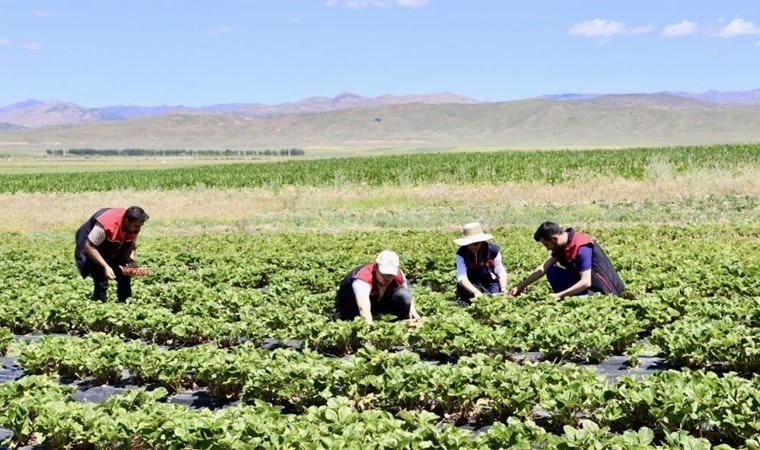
172	152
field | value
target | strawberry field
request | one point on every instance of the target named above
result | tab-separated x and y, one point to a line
244	319
228	342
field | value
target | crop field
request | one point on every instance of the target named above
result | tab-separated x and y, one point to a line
228	343
550	167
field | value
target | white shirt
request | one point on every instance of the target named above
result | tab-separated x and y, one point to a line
97	235
498	267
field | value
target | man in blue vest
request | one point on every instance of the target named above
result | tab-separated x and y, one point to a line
376	288
105	243
479	267
585	267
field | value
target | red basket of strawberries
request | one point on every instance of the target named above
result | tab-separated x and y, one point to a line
135	271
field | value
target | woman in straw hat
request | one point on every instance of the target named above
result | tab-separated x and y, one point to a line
478	263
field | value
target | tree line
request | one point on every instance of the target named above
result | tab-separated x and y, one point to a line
172	152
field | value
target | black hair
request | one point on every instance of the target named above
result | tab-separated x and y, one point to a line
546	230
135	213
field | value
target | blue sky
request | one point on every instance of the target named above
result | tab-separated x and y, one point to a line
202	52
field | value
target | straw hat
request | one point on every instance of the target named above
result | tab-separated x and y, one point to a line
472	233
387	262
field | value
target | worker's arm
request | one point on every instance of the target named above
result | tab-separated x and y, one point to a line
583	261
413	314
462	277
501	272
465	283
362	290
94	255
539	272
583	284
132	262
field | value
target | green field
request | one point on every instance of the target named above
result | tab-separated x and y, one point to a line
550	167
680	225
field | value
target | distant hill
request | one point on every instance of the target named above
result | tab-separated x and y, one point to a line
346	100
569	97
730	97
717	97
19	105
129	112
664	101
36	114
9	126
603	121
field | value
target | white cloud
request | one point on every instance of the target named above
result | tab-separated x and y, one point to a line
213	31
357	4
412	3
738	27
606	28
682	28
639	30
597	28
5	42
757	44
47	14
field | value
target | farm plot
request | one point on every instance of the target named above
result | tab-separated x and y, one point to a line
245	318
549	167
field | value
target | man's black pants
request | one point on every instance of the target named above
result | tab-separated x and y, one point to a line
123	285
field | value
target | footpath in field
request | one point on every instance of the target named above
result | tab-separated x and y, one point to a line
88	390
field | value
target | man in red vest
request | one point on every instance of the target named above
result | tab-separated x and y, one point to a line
585	267
104	243
375	288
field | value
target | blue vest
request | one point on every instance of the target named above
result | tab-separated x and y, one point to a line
480	267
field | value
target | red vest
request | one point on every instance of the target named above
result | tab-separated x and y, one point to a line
112	221
367	275
604	278
117	246
577	241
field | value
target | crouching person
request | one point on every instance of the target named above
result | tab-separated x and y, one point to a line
376	288
585	268
479	267
105	243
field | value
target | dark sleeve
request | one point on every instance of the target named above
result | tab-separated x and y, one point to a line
583	259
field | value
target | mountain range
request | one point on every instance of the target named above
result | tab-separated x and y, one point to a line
37	114
425	122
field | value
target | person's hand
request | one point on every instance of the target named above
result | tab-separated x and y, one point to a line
108	272
515	291
415	321
414	317
555	296
477	294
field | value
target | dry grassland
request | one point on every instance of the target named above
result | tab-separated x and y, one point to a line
437	206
